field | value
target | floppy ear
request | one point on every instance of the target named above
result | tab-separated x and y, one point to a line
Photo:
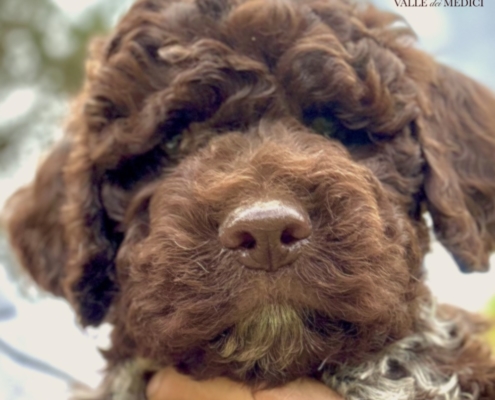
458	141
45	230
34	222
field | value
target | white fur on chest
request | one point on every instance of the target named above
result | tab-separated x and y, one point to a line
404	371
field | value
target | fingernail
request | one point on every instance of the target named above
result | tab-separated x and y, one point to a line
154	384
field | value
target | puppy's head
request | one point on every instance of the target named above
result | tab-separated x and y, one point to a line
242	186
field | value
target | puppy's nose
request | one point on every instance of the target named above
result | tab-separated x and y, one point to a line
266	235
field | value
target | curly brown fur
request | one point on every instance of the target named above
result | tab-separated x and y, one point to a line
193	109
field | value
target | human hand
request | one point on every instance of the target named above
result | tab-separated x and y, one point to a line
168	384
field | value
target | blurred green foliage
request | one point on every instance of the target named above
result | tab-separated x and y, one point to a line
490	313
43	48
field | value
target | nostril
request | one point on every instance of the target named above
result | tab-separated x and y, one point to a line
236	239
295	232
288	238
247	241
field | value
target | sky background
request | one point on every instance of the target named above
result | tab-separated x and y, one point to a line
32	103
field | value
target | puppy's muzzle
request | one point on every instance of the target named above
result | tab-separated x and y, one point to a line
267	234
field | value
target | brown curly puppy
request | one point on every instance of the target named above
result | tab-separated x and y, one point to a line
241	192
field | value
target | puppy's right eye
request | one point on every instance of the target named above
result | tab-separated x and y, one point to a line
173	143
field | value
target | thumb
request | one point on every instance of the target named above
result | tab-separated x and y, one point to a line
301	389
168	384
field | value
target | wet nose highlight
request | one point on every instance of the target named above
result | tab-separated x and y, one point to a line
266	235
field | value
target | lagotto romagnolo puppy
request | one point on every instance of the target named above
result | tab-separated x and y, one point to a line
241	192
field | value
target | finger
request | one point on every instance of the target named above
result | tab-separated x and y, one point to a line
168	384
302	389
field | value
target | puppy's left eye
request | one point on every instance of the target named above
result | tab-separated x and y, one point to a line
331	128
324	127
